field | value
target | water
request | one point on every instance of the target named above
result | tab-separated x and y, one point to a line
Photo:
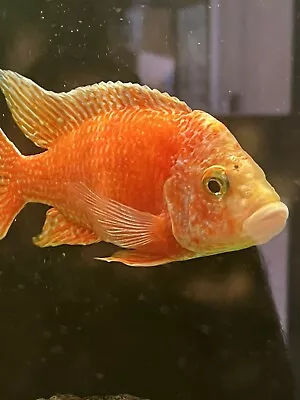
221	327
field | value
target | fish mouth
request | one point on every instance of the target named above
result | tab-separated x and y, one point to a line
266	223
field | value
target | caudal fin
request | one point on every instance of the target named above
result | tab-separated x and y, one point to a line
11	201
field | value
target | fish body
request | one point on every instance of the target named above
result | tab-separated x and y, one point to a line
135	167
102	155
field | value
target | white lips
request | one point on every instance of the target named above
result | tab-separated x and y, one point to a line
266	223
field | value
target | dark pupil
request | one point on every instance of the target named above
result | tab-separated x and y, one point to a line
214	186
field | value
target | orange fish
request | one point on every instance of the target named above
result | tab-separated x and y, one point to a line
129	165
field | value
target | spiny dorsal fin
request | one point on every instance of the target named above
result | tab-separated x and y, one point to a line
44	115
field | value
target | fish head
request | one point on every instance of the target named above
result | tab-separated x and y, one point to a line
217	196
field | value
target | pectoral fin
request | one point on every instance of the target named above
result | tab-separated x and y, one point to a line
135	258
117	223
57	230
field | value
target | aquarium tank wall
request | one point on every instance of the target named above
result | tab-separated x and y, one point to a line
223	326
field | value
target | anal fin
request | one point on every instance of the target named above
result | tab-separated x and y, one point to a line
58	230
136	258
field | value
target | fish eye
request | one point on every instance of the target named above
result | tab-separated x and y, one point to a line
215	181
214	186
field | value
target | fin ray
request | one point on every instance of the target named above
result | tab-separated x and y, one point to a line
44	115
57	230
119	224
11	203
135	258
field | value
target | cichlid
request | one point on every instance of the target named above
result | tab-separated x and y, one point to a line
129	165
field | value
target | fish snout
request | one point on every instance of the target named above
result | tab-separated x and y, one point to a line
266	223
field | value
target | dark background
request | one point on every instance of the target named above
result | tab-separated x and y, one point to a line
203	329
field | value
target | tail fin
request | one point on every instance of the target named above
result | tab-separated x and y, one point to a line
11	202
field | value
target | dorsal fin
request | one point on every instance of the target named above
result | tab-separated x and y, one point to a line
44	115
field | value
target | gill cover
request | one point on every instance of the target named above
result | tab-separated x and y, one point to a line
177	196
